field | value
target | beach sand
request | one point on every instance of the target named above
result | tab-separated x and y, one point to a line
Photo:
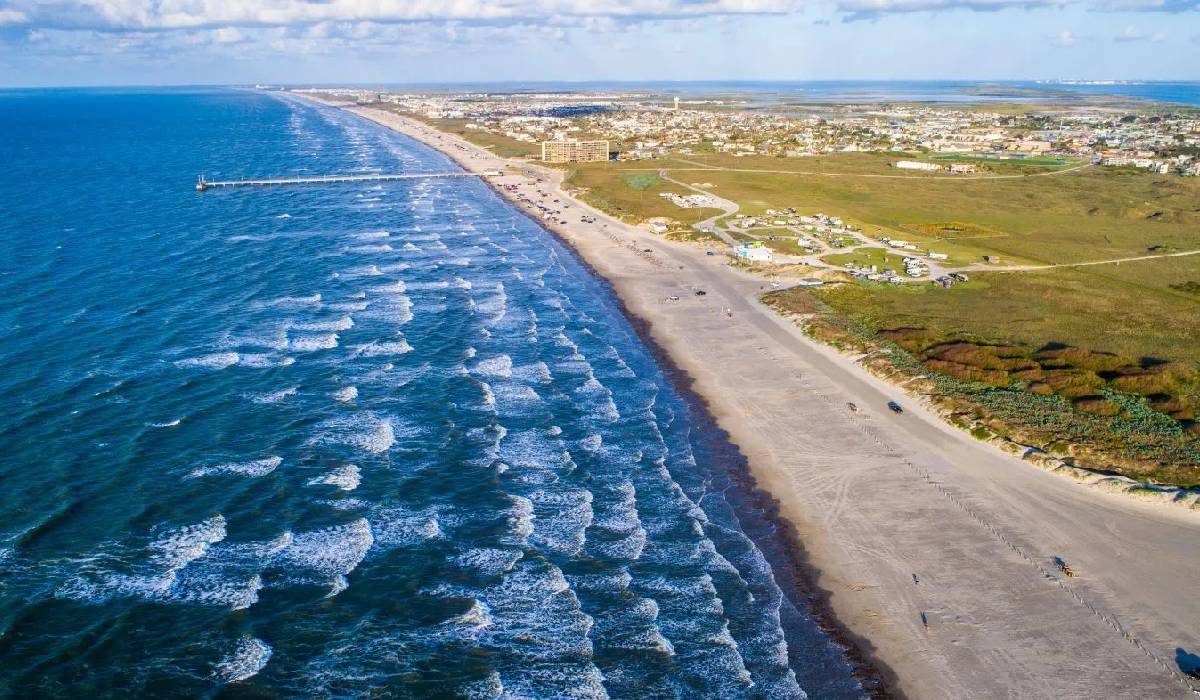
936	551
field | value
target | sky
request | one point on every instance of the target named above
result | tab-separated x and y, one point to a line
183	42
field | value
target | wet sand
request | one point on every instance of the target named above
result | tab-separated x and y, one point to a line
936	551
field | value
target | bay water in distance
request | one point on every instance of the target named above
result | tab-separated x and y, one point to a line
384	439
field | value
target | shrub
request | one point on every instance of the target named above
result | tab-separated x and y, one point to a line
1072	383
1096	404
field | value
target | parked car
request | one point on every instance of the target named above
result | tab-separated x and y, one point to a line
895	407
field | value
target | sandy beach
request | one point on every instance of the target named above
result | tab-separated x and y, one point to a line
936	551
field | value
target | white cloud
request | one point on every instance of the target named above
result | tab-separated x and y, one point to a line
228	35
1132	35
1066	38
190	14
12	17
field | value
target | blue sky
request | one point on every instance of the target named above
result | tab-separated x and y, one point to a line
117	42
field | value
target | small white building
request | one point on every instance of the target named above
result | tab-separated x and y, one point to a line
917	165
754	252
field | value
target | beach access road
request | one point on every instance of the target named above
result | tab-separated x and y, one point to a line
937	551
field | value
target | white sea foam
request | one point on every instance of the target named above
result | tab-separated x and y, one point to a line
425	286
348	306
395	308
343	323
294	302
364	431
265	360
346	394
378	348
346	477
535	372
248	657
499	366
258	467
166	424
372	235
219	360
313	342
520	519
404	527
514	396
563	517
370	249
176	547
396	287
362	271
271	339
477	616
332	551
272	396
488	561
340	583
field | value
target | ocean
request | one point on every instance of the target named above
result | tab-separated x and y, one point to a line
385	439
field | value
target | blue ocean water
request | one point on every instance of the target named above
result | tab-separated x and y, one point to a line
365	439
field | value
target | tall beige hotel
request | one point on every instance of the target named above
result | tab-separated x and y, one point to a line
574	151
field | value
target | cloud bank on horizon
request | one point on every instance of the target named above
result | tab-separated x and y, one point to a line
52	41
134	15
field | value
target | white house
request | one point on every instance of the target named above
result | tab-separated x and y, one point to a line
754	252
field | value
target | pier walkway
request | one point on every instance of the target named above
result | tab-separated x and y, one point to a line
203	184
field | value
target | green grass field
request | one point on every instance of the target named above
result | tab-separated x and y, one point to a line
1093	214
1146	312
499	144
632	196
1129	309
865	257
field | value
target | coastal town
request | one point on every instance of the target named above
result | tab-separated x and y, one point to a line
643	132
647	126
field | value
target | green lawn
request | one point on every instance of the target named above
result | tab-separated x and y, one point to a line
1129	309
499	144
865	257
631	195
1092	214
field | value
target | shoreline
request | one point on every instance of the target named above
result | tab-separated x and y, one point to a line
862	560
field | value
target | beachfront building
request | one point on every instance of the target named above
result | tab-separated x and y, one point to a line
754	252
574	151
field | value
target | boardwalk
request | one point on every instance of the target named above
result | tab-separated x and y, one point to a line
203	184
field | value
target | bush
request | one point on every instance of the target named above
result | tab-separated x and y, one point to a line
1096	404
